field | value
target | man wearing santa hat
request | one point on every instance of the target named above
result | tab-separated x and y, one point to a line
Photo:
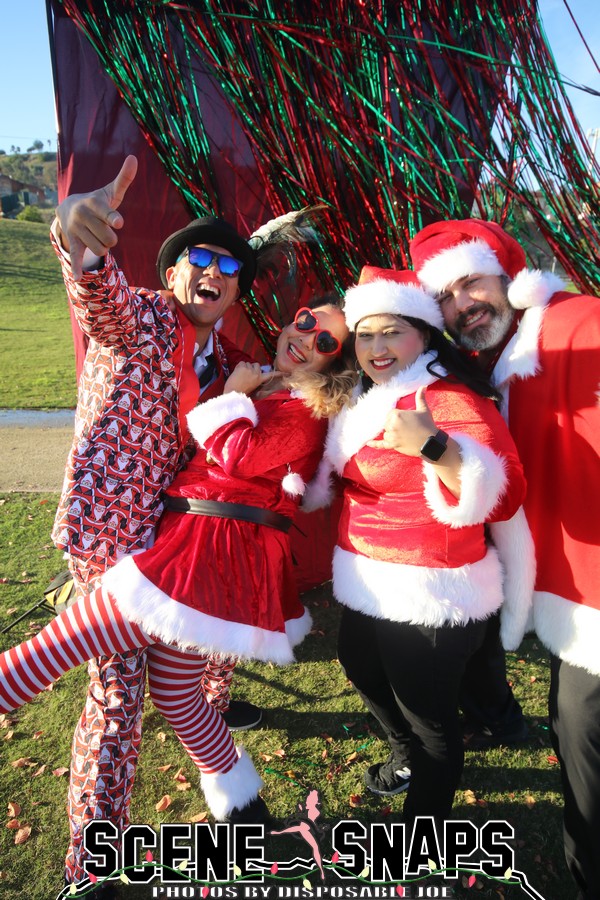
541	345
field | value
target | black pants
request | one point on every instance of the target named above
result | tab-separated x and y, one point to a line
574	708
486	698
409	677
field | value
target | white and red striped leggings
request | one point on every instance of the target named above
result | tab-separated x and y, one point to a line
92	627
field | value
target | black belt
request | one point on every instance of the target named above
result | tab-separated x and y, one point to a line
228	511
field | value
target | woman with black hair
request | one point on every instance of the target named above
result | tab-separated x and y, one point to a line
426	461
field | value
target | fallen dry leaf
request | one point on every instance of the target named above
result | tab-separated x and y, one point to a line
13	824
280	753
165	768
266	757
180	775
161	736
352	757
23	835
183	786
13	809
355	800
529	801
62	770
40	771
553	760
22	762
163	804
37	735
200	817
470	798
9	736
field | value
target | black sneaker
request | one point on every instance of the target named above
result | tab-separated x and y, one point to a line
387	778
254	813
485	738
241	715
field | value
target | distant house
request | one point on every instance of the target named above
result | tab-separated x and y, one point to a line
14	193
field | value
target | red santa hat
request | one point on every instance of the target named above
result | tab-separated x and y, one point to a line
446	251
390	291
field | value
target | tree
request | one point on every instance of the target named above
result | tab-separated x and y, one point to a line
37	145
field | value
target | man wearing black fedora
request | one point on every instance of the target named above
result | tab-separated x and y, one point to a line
147	364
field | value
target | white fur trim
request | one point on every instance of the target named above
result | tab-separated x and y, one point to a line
319	491
482	483
293	484
570	630
383	296
516	551
358	424
469	258
236	788
423	596
165	619
530	287
520	357
206	418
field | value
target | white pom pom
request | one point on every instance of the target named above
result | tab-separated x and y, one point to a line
293	484
530	287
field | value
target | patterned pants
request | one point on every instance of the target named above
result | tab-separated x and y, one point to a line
107	738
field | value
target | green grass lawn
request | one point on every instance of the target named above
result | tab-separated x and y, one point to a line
36	347
316	734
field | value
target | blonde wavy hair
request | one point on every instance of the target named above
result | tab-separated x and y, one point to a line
325	393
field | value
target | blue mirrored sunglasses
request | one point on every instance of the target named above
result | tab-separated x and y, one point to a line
203	258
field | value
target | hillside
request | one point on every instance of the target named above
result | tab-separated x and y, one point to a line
37	168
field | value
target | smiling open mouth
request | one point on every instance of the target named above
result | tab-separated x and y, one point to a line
295	354
471	319
208	292
382	363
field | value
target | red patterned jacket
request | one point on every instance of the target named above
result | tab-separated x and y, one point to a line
136	388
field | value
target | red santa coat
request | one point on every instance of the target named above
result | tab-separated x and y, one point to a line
550	375
407	550
223	585
136	388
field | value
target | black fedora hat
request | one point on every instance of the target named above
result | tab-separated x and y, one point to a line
208	230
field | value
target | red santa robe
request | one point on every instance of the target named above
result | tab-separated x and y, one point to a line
221	585
407	550
550	375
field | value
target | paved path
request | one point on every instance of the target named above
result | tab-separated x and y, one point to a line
33	449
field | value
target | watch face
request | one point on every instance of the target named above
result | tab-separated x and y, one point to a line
434	448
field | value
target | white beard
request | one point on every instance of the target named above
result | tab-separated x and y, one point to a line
487	336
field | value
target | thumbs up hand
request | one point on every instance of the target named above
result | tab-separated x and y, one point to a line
88	220
406	430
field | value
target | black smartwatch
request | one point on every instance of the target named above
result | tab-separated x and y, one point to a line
435	446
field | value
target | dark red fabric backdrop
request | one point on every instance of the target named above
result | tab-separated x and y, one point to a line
96	133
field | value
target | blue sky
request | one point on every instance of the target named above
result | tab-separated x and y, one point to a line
27	100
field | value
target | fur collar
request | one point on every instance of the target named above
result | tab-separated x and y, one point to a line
520	357
365	419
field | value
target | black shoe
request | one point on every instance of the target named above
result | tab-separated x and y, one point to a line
241	715
387	778
254	813
485	738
